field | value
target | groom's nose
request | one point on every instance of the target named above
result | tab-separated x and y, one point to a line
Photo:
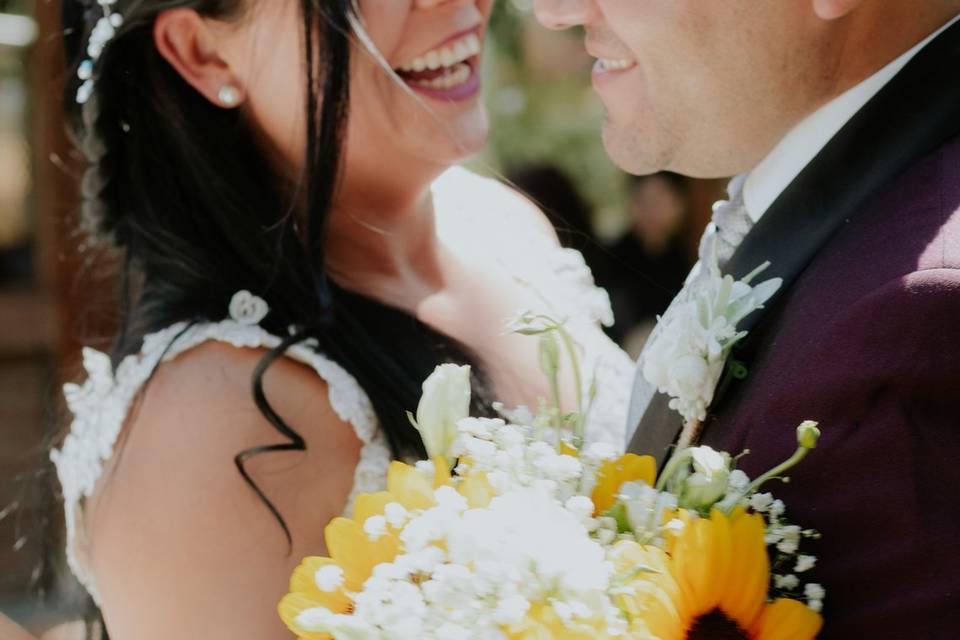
563	14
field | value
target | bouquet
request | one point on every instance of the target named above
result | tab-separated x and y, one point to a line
515	529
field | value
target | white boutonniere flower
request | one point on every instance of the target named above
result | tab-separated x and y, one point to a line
690	346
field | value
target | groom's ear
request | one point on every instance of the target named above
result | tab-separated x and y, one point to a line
833	9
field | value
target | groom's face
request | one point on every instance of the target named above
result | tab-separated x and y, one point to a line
700	87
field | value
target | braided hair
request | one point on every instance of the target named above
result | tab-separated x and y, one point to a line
185	194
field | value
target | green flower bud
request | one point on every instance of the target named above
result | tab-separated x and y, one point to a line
709	481
808	434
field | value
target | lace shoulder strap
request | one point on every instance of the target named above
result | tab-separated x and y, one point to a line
100	406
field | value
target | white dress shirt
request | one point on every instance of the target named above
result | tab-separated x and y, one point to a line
775	173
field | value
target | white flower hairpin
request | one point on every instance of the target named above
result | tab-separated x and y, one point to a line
103	32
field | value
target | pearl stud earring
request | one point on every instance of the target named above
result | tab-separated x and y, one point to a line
229	96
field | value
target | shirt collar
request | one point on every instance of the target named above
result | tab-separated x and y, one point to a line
766	182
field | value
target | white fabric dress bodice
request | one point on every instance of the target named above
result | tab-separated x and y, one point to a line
559	283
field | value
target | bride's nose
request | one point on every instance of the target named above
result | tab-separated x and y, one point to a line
563	14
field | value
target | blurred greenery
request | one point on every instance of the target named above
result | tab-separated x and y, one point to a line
543	109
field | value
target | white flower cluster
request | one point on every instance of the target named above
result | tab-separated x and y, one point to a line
511	458
788	563
689	348
466	573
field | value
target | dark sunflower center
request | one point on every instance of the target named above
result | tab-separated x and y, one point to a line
716	626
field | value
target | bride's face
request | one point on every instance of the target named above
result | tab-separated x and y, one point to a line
426	110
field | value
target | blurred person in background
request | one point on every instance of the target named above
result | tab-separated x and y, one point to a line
650	260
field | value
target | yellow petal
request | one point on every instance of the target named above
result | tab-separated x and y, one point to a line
292	605
656	604
614	473
747	587
722	545
368	505
568	449
356	554
543	623
477	490
409	487
787	620
693	565
303	582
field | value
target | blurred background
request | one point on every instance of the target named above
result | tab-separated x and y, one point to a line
638	234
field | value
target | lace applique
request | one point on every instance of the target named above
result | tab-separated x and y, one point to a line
558	281
562	282
248	309
101	403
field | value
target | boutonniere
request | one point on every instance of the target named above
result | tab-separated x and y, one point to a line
692	341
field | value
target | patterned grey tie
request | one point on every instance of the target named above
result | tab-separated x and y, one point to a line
730	224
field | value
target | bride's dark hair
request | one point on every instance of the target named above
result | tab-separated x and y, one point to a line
186	192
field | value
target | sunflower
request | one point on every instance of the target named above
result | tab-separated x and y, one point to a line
322	586
711	583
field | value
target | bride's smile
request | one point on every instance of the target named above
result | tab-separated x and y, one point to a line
449	71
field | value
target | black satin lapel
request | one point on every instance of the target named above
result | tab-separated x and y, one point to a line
658	430
910	117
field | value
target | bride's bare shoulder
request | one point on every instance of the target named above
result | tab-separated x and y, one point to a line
468	203
174	510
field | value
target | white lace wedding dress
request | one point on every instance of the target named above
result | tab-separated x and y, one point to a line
559	284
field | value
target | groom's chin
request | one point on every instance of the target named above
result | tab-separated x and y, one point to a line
625	149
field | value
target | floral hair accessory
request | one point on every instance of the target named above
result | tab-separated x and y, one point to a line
103	32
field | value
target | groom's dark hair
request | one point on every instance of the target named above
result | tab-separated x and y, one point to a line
186	196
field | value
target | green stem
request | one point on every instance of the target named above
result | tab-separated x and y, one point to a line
777	471
678	458
578	434
557	406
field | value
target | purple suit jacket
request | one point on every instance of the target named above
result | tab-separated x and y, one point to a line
864	338
867	343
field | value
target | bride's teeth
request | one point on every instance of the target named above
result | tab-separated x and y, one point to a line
452	78
448	56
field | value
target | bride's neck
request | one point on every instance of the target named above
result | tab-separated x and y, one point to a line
382	243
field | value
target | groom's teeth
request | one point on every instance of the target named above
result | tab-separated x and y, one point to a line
451	78
615	65
445	57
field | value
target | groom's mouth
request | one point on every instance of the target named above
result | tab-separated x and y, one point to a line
450	72
608	71
613	65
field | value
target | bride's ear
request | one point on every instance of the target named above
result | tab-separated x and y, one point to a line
833	9
193	48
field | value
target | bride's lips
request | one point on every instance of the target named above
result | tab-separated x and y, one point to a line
450	71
